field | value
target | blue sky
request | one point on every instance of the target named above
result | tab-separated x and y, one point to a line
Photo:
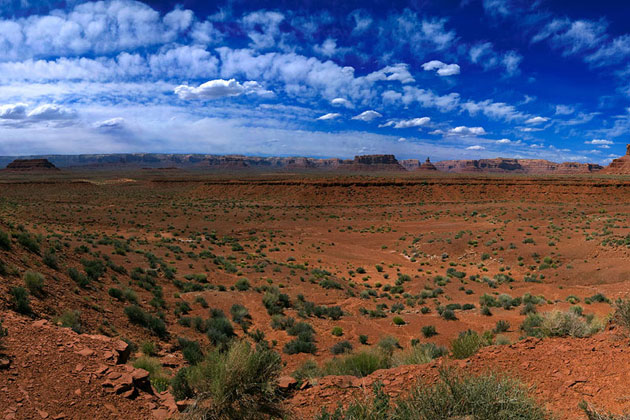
449	79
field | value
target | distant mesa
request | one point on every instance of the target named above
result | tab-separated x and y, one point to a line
427	166
517	166
377	163
619	166
29	165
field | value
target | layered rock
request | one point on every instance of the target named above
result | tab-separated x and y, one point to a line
25	165
376	163
410	164
620	165
427	166
524	166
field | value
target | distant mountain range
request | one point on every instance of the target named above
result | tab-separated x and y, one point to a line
359	163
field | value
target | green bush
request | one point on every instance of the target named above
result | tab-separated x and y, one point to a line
240	383
501	326
429	331
242	284
454	396
137	316
418	354
5	241
29	242
34	283
466	344
158	378
79	278
307	371
621	316
341	347
116	293
363	339
560	324
191	350
71	319
337	331
398	321
593	414
358	364
21	302
50	259
220	331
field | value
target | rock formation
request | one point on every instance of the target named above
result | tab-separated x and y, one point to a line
376	163
23	165
524	166
427	166
620	165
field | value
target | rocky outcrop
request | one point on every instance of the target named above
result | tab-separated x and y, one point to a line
25	165
524	166
427	166
376	163
410	164
620	165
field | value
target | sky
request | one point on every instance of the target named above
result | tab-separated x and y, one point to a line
449	79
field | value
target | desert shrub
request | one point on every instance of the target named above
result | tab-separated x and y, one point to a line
5	241
241	316
389	344
21	301
34	283
130	295
29	242
341	347
116	293
3	333
79	278
594	414
191	350
600	298
220	331
71	319
158	378
455	396
501	326
559	324
363	339
418	354
50	259
466	344
337	331
307	371
137	316
94	269
621	316
242	284
240	383
275	302
357	364
303	343
148	348
449	315
181	388
398	321
429	331
3	268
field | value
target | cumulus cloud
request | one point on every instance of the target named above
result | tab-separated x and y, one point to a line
599	142
467	131
111	124
342	102
329	116
13	111
475	147
443	69
220	88
263	28
414	122
536	120
564	110
367	116
51	112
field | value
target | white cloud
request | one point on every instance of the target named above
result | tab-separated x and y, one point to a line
13	111
494	110
504	141
484	54
443	69
536	120
220	88
111	124
51	112
342	102
564	110
414	122
599	141
367	116
263	28
467	131
475	147
329	116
